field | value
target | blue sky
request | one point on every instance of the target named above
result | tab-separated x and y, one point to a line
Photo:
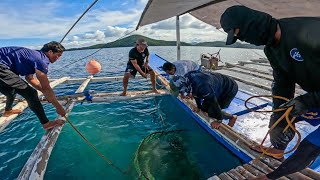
32	23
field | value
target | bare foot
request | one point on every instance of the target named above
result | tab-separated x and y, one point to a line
123	93
156	91
11	112
275	153
52	124
233	120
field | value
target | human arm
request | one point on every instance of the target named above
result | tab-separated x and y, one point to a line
146	64
48	92
198	107
135	64
33	81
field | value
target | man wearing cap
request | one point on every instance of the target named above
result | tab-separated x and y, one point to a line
216	90
136	63
292	46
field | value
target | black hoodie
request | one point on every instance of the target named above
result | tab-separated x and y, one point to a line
295	59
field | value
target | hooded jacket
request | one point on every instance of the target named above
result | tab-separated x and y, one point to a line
294	59
213	88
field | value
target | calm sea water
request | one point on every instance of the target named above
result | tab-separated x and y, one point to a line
117	129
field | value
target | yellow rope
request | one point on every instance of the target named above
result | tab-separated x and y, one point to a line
284	116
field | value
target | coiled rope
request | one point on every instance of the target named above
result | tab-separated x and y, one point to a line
284	116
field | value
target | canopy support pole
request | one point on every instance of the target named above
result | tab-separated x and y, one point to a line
178	37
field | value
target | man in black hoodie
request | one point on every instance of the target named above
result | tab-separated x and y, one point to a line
292	46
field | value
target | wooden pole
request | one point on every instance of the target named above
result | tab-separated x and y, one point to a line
37	162
178	38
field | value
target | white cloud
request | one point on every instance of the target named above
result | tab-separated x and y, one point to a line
97	26
191	30
73	38
98	35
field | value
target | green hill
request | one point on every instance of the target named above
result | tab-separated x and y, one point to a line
130	40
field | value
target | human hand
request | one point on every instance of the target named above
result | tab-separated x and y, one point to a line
299	107
146	65
215	125
60	110
190	96
195	109
144	75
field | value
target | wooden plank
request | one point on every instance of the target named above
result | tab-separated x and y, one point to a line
37	162
266	77
264	168
311	173
224	176
250	82
235	174
297	92
248	68
242	63
244	172
275	164
214	178
260	60
5	121
252	170
101	79
114	96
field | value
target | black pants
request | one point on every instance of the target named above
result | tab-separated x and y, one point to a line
10	84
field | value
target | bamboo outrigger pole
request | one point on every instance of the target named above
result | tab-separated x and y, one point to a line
37	162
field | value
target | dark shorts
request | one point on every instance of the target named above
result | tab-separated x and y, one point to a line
132	70
10	81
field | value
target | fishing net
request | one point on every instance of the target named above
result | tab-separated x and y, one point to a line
162	155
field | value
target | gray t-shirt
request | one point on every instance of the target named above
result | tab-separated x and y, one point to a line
185	66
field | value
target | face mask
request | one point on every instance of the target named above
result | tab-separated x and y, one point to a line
256	27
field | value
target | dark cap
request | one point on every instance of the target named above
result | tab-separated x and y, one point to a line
142	42
230	20
231	37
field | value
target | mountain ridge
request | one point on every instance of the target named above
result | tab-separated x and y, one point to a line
130	41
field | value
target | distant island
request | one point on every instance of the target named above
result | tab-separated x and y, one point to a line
130	40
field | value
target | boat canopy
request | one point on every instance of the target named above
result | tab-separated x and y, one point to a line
209	11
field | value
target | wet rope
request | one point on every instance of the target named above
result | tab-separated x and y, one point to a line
95	149
124	172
